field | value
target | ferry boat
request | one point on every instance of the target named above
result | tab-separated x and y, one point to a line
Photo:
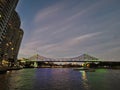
85	69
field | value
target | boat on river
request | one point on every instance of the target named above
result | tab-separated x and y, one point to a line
85	69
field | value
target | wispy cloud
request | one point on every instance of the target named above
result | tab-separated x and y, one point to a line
48	12
66	28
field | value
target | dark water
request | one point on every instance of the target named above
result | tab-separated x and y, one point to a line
60	79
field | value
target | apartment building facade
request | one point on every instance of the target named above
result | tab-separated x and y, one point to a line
10	32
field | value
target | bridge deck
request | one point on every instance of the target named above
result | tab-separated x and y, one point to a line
63	61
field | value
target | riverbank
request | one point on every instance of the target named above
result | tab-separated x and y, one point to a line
3	69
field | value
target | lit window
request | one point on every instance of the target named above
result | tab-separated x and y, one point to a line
12	48
10	43
7	44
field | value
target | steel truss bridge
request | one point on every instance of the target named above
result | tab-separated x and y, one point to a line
37	58
64	61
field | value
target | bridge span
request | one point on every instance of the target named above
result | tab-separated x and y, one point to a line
62	61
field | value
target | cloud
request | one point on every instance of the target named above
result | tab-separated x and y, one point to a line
67	29
48	12
72	42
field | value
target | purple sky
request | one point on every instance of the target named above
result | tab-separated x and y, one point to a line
68	28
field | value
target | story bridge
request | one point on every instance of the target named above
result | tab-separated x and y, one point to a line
38	58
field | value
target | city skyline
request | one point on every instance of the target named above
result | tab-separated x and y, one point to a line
68	28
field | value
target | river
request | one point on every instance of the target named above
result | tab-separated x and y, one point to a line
60	79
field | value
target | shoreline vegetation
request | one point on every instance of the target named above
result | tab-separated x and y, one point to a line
86	67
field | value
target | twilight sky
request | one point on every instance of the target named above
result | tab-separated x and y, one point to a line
69	28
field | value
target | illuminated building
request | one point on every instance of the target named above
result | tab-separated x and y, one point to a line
10	32
6	9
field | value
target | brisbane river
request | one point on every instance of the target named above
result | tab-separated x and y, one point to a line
60	79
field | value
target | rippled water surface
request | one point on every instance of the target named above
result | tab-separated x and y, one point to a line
60	79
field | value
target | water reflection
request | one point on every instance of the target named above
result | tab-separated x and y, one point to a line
54	79
60	79
3	82
85	80
17	80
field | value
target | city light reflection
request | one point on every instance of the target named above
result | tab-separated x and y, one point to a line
85	80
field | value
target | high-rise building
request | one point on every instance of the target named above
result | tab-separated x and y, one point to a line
6	9
10	32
